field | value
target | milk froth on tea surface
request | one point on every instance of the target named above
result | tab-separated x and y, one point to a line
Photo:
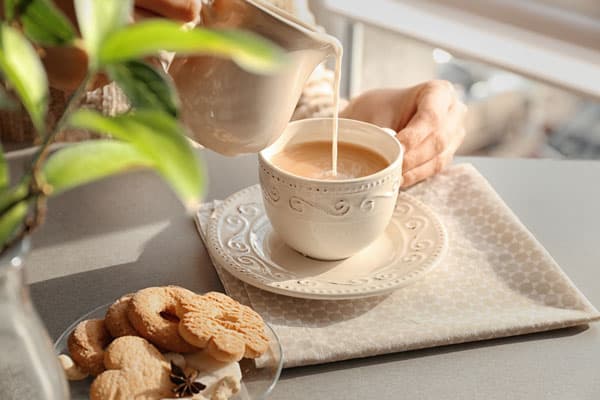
314	160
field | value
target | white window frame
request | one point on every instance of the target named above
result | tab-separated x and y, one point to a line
560	48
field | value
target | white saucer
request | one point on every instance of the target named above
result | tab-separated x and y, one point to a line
241	240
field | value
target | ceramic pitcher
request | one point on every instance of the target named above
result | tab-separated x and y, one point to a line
232	111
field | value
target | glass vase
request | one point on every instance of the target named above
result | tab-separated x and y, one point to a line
29	368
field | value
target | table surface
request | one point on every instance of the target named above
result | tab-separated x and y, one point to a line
129	232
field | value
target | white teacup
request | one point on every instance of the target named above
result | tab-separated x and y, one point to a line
331	219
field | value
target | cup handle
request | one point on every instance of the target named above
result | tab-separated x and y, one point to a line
393	133
390	132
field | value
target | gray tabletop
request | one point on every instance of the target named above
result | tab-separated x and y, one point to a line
130	232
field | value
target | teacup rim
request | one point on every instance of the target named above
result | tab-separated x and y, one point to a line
387	170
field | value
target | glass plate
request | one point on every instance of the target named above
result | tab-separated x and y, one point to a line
258	376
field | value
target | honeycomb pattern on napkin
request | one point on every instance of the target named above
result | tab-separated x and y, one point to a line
496	280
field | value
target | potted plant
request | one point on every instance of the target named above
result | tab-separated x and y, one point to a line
149	135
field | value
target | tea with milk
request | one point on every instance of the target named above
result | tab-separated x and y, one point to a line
314	160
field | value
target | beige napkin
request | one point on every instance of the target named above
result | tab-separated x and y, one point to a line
496	280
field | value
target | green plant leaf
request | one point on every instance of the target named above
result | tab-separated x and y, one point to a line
145	86
24	72
42	22
250	51
11	220
99	18
157	136
13	194
10	9
89	161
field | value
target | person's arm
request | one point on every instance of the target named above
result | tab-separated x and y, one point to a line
428	117
317	99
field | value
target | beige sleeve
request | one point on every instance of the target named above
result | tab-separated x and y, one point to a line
16	129
317	96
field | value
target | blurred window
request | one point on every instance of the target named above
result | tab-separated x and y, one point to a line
528	69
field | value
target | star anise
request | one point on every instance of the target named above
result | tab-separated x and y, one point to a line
184	384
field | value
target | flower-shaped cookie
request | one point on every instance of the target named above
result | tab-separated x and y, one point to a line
135	369
227	329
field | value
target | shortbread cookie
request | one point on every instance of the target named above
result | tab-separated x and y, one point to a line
227	329
116	319
153	314
135	369
87	343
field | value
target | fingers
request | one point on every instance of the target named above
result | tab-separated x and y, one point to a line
445	133
437	141
66	66
433	102
68	8
182	10
436	164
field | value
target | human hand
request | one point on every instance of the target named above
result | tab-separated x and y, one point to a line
428	117
66	66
